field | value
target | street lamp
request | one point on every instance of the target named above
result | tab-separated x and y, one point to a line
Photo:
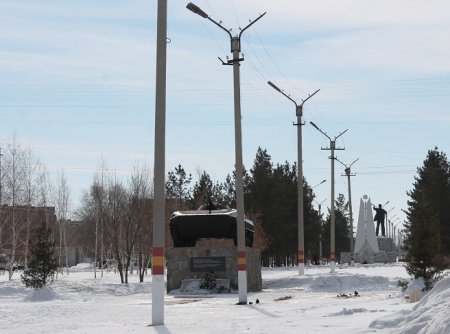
1	199
348	173
235	61
323	181
320	219
391	225
332	215
300	210
158	284
320	223
388	228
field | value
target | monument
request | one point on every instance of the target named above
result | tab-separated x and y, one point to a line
189	262
367	245
186	264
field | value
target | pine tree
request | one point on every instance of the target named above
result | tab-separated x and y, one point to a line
177	186
42	263
428	219
342	228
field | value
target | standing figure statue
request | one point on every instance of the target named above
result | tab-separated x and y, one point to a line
380	217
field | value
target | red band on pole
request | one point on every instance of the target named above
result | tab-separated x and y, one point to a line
241	261
158	251
301	256
158	261
333	256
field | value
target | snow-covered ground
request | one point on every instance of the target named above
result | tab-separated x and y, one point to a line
78	303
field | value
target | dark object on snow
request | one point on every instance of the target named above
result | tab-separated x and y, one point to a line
343	295
208	282
257	301
209	221
380	217
282	298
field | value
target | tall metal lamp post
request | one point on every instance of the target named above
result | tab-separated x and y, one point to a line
348	173
235	62
332	215
1	199
320	219
300	216
320	222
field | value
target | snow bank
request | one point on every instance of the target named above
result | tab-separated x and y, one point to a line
431	315
82	266
348	283
6	291
43	294
414	291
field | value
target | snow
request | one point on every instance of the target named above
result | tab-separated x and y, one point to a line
43	294
317	302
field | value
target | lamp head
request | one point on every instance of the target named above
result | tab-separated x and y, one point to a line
195	9
273	86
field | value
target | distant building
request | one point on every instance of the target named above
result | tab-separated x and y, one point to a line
17	226
77	247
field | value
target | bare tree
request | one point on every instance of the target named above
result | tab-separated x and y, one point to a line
98	193
14	177
139	190
123	214
62	202
44	196
100	215
32	170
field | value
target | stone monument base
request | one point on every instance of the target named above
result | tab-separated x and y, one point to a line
378	257
195	262
385	244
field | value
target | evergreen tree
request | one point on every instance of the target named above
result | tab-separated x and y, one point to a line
205	190
312	225
202	191
260	186
282	223
229	189
342	228
342	225
272	201
177	186
42	263
428	219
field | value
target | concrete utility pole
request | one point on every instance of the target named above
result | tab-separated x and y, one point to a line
396	239
388	222
348	174
1	222
158	285
320	222
235	62
300	210
332	215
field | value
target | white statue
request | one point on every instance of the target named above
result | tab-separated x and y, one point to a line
366	240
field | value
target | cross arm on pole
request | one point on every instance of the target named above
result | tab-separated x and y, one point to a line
340	134
310	96
250	24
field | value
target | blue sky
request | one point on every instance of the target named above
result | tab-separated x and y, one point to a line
77	83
